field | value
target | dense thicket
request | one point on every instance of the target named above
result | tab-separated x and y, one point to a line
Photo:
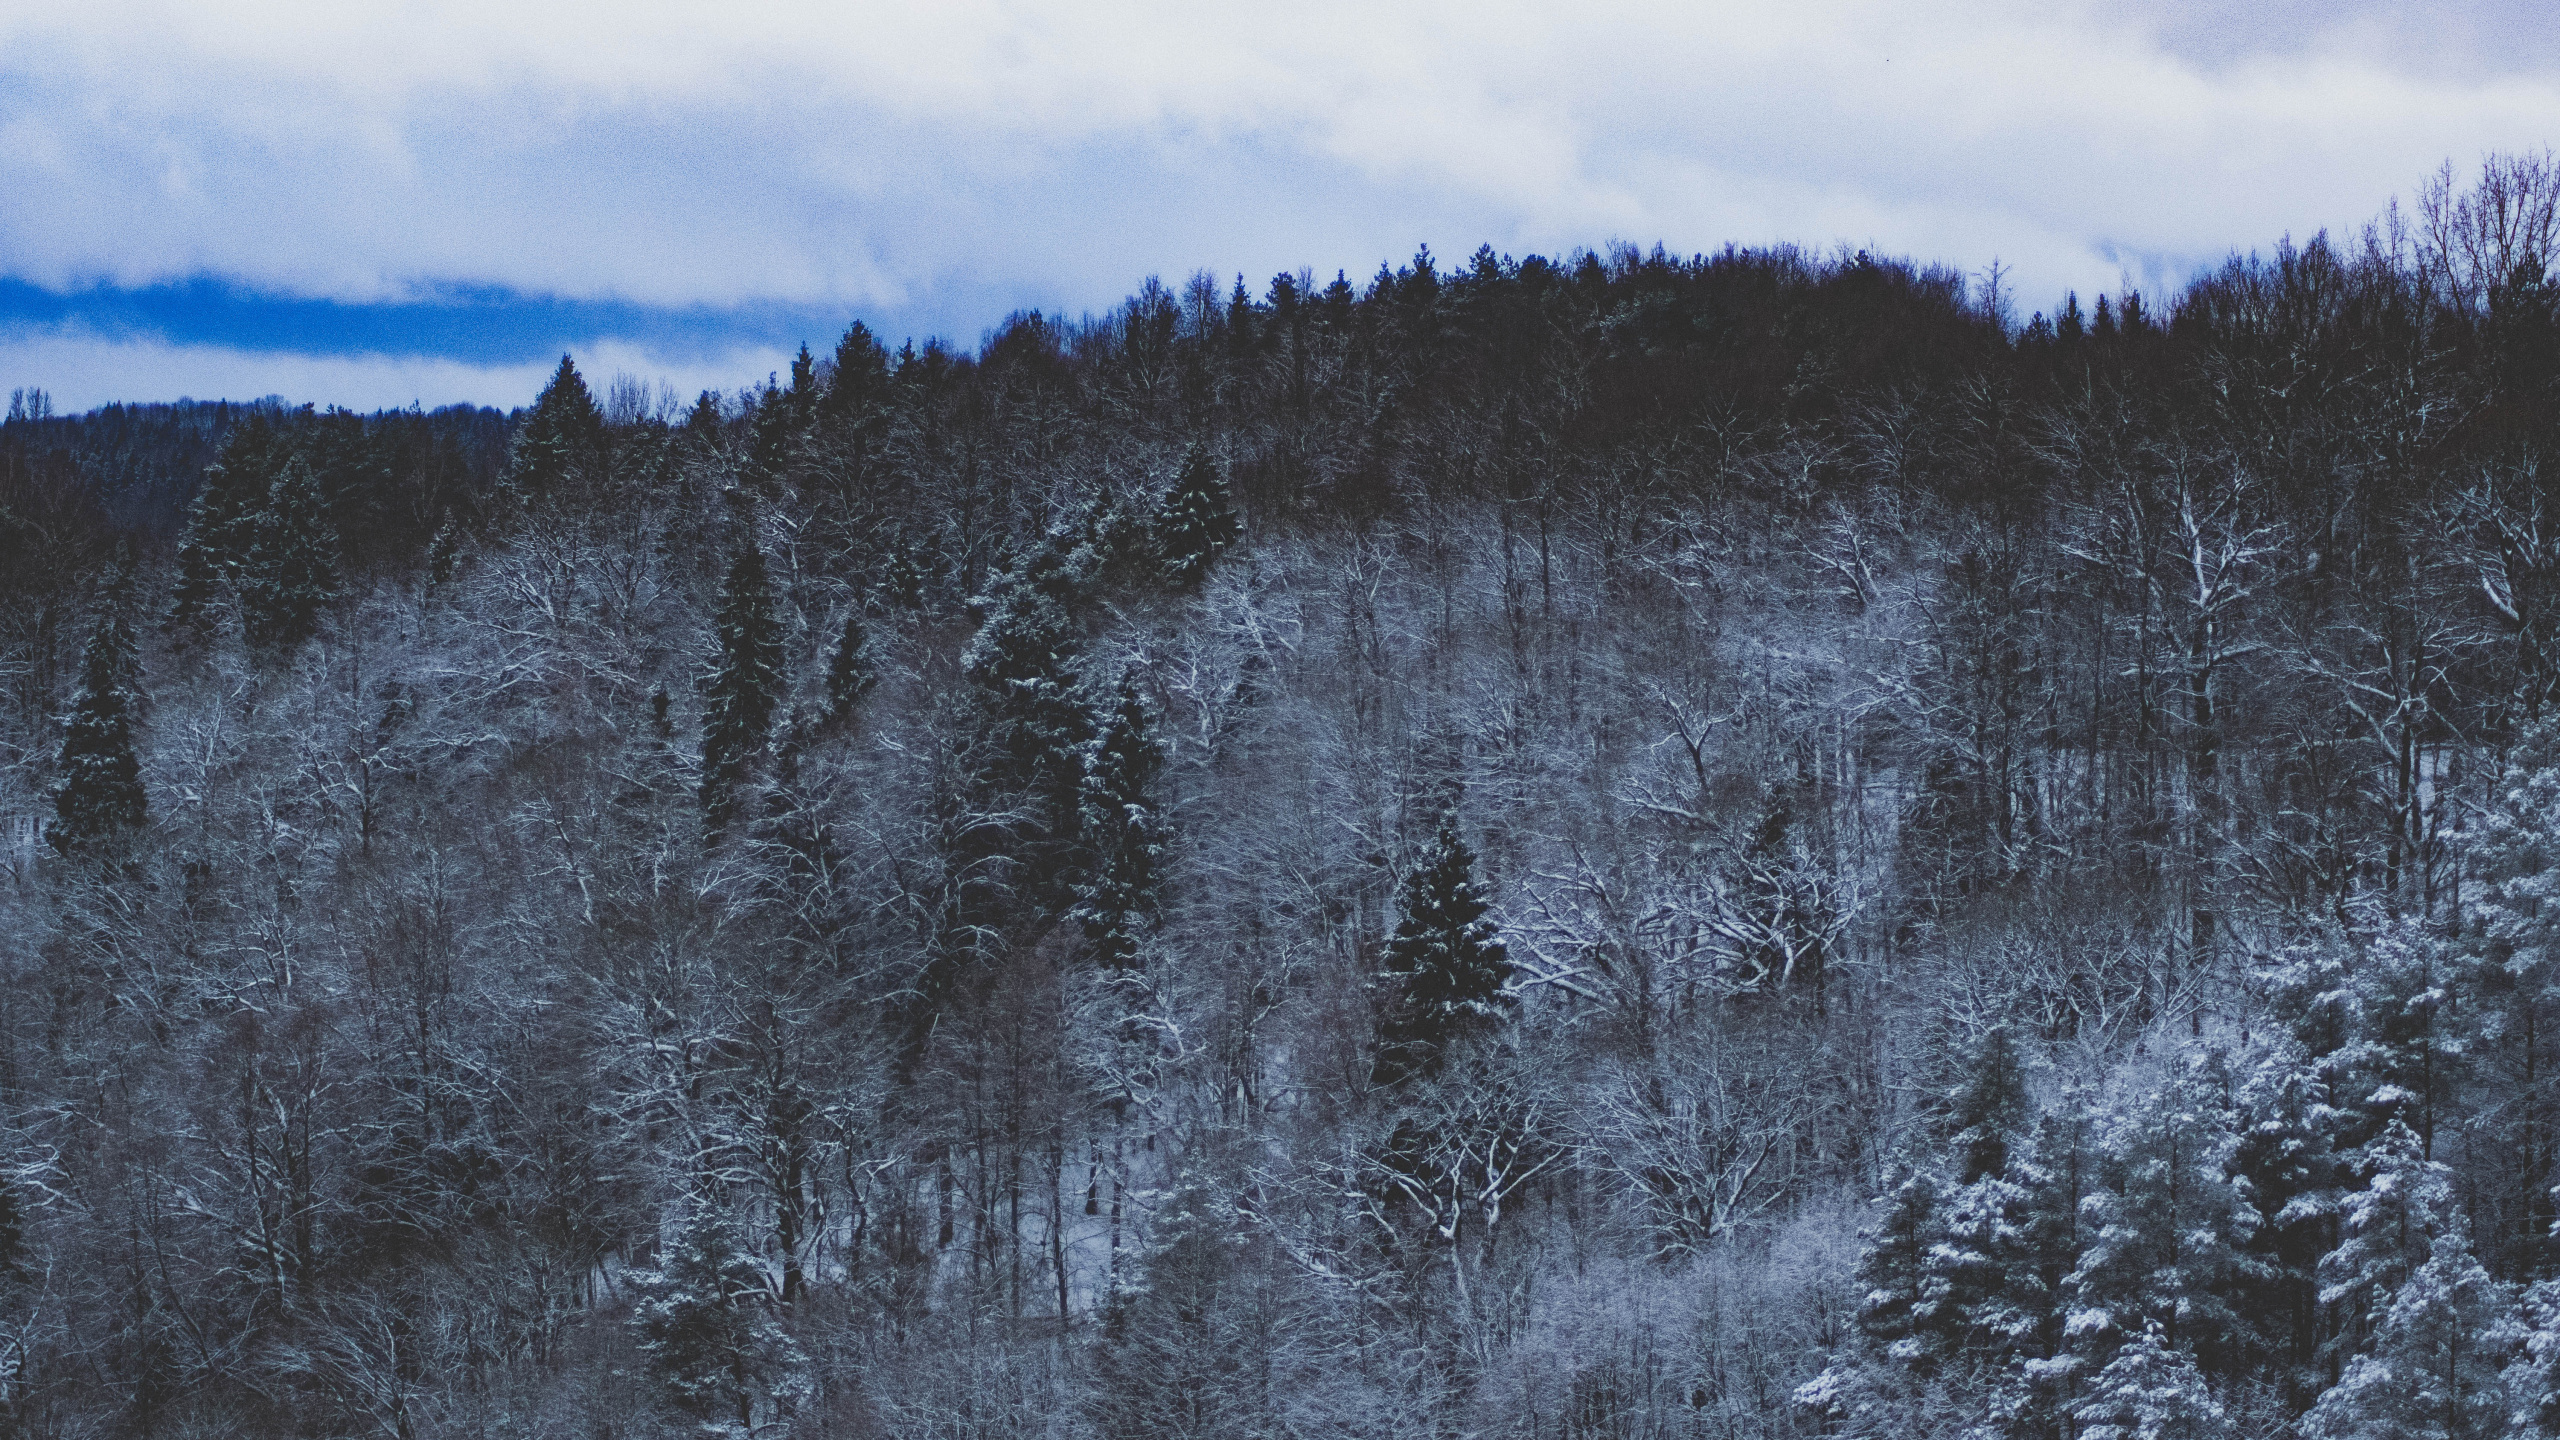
1735	845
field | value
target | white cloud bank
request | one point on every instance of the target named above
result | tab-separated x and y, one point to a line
882	156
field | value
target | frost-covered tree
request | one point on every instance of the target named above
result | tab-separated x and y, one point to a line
1024	729
98	800
1198	521
291	572
2436	1367
2150	1390
1442	977
706	1320
745	685
1176	1356
2165	1228
1990	1109
1117	903
221	523
2439	1332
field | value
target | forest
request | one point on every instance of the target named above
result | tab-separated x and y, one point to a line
1610	848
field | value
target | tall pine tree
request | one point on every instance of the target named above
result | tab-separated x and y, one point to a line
291	573
561	440
850	673
1198	521
98	801
1445	967
1116	904
221	523
745	686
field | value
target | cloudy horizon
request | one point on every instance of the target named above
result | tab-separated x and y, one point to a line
374	205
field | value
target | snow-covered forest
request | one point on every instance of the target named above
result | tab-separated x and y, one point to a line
1625	846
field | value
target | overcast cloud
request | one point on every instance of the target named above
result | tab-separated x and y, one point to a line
686	191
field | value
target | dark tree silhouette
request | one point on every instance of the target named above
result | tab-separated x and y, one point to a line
1444	972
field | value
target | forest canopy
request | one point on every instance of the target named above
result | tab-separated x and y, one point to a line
1728	845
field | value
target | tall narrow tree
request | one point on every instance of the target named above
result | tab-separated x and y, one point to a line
561	438
220	524
98	800
1198	521
291	572
745	685
1445	968
1117	903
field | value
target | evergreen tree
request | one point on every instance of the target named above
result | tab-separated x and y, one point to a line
2391	1225
291	573
2165	1227
1117	904
1197	522
1444	969
561	439
783	417
1025	735
1990	1108
705	1320
2509	857
2436	1331
98	801
1873	1381
2151	1390
849	672
222	521
2436	1369
745	685
2288	1163
2533	1381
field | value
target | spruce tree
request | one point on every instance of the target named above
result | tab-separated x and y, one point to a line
705	1320
221	522
849	672
1117	904
1197	522
1990	1108
98	801
1026	731
2390	1226
745	685
291	572
2436	1368
561	438
1444	969
783	417
2151	1390
2166	1225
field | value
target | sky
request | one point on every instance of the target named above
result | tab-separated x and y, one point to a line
375	204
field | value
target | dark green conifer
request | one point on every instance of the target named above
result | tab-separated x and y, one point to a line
1117	903
745	687
1991	1108
291	573
783	416
849	674
221	522
562	437
860	383
1445	967
1197	521
98	802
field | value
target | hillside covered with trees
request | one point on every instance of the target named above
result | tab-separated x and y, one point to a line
1625	846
